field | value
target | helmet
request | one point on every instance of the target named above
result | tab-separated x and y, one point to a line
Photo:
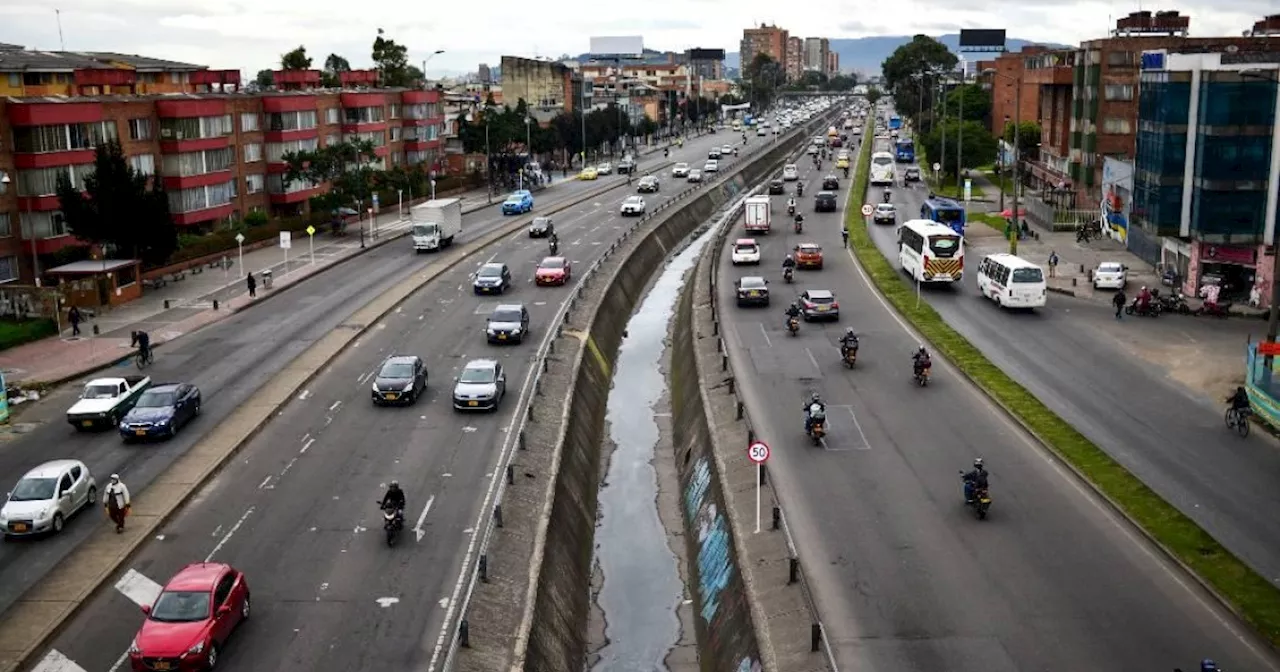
1144	288
977	463
1207	665
922	350
814	398
848	332
395	485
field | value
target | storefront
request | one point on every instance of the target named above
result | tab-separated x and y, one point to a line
1233	268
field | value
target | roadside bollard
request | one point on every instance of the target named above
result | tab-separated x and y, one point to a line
1073	282
777	517
511	474
530	413
537	386
793	570
521	442
546	364
497	515
741	410
95	330
166	304
751	436
715	327
733	387
484	568
724	362
464	634
551	347
719	345
815	637
215	304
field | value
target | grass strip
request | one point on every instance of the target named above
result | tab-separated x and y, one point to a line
17	332
1252	597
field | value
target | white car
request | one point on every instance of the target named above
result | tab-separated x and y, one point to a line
695	175
605	168
1110	275
46	497
680	170
857	130
745	251
633	205
726	150
762	131
712	166
790	172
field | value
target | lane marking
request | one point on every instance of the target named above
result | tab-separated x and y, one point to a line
227	537
265	481
305	446
812	360
303	395
54	661
335	405
765	334
138	588
422	519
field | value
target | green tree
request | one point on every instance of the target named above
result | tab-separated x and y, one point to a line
1028	133
979	145
119	207
334	65
911	73
296	59
762	78
841	83
969	101
873	95
344	166
265	79
392	61
646	127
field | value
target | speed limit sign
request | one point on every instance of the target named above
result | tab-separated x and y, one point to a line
867	210
758	452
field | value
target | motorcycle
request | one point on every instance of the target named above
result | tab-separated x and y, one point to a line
800	189
849	355
1220	309
921	374
981	501
555	247
787	274
817	427
888	196
799	226
735	151
846	172
1135	307
392	523
793	324
791	208
1173	303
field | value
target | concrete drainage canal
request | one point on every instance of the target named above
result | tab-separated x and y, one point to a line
641	617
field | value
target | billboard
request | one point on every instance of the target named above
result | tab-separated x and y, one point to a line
626	45
982	39
706	54
1117	197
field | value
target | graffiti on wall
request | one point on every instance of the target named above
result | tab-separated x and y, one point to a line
23	303
715	562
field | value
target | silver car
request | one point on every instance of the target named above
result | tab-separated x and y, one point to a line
480	386
46	497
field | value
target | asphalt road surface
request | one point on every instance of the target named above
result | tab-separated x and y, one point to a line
1173	438
296	510
905	577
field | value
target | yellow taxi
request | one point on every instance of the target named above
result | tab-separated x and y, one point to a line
588	173
842	162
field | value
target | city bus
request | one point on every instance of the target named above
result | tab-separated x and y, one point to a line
930	252
882	171
895	123
1012	282
944	211
905	150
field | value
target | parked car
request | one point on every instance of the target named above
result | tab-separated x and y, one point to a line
1110	275
161	411
191	620
519	202
46	497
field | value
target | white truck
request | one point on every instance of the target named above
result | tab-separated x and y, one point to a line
105	400
757	214
435	223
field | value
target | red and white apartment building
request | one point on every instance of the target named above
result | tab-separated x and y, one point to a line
217	149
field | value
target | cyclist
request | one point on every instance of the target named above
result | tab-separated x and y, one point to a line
141	340
1239	401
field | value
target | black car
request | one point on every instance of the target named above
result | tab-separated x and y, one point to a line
492	278
161	411
508	323
752	291
400	380
825	201
830	182
777	188
541	227
647	185
626	166
911	174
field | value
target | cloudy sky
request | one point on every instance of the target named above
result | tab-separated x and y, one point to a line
245	35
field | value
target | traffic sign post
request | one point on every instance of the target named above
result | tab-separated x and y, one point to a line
311	241
758	452
866	213
286	242
240	248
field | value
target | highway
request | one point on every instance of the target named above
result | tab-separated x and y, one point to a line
296	508
1171	437
904	575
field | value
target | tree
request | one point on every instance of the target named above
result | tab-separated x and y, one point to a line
646	127
979	145
1028	133
841	83
762	76
873	95
296	59
969	101
344	166
119	208
333	66
265	79
911	73
392	60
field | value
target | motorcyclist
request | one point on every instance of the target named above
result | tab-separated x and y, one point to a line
792	312
800	189
888	195
1144	299
141	340
974	480
848	340
666	152
814	400
920	360
554	242
394	499
791	204
799	222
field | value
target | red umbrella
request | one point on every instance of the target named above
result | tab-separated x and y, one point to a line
1007	213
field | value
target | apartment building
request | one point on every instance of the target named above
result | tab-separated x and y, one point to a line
547	87
770	40
833	63
1009	79
815	53
27	73
218	155
795	58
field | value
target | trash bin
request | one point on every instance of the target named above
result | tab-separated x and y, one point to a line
266	279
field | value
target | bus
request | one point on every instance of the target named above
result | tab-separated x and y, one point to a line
1012	282
895	122
944	211
930	252
905	150
882	171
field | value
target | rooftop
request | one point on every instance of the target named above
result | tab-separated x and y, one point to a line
15	58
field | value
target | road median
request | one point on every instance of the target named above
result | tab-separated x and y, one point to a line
1253	598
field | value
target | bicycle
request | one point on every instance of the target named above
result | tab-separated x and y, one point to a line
144	358
1238	420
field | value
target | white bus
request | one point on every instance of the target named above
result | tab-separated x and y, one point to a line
1012	282
930	252
882	169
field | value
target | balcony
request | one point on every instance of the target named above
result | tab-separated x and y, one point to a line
177	182
354	78
216	80
96	80
205	215
56	243
1055	75
293	196
288	80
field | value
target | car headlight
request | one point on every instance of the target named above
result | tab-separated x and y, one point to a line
123	426
516	331
162	422
491	331
375	388
196	649
408	387
133	647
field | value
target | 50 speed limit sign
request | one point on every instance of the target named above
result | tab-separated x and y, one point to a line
758	452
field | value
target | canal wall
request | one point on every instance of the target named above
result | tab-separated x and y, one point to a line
552	599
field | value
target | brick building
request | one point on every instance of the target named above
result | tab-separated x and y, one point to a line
770	40
795	58
833	63
1010	76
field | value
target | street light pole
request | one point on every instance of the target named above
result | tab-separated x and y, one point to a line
1015	226
960	134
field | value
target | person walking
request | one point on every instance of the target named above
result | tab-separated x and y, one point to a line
253	286
117	502
1118	300
74	317
1053	264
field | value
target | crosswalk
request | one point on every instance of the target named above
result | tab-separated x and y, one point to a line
134	585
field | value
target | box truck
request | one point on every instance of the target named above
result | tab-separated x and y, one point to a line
757	214
435	223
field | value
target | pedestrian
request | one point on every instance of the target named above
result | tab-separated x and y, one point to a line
1053	264
844	236
1118	300
74	317
253	286
117	502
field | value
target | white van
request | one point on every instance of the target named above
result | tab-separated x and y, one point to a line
1012	282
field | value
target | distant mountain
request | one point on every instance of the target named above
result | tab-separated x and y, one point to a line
865	54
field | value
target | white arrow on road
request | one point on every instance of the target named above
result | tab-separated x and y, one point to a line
56	662
422	519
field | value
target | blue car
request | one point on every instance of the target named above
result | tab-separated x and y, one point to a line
161	411
518	202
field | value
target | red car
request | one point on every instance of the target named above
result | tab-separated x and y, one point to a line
191	620
808	255
553	271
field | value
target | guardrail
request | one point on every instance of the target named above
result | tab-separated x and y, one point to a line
542	363
819	641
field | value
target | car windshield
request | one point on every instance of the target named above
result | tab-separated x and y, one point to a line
505	316
514	198
882	161
424	229
99	392
821	299
885	207
809	249
476	375
1029	275
153	399
396	370
552	264
490	272
633	200
33	490
752	283
180	606
744	247
1110	268
541	222
948	215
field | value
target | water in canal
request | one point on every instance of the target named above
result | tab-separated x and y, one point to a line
642	586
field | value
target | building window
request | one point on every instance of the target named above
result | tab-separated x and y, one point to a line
8	269
332	115
144	164
395	134
292	121
1121	59
42	224
140	129
277	150
395	110
6	225
249	122
63	137
203	162
1116	126
44	181
252	152
364	115
254	183
201	198
192	128
332	139
378	138
1118	92
276	185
